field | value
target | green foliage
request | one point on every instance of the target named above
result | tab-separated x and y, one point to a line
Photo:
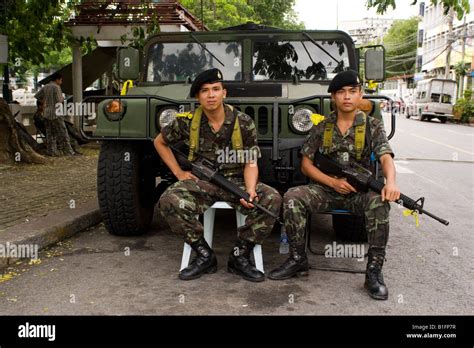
465	107
460	69
139	34
34	28
401	44
460	7
219	14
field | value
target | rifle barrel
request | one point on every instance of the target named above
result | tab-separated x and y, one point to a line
443	221
407	202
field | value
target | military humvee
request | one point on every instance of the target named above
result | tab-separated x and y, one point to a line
277	77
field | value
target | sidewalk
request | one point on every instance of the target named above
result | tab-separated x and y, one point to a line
32	191
43	204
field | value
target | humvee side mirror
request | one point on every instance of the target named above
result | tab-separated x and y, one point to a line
128	63
374	63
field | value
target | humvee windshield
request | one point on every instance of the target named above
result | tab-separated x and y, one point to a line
271	60
285	59
170	62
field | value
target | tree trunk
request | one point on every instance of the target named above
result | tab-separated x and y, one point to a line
15	145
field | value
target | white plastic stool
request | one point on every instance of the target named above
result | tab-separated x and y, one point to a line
209	216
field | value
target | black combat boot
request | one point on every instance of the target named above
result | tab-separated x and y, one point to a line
204	262
239	262
373	276
296	265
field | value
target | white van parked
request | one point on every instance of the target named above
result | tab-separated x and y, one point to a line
433	99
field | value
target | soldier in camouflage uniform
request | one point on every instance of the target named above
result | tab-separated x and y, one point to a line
57	138
190	196
327	193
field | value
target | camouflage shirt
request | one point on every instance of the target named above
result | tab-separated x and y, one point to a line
343	148
213	145
50	95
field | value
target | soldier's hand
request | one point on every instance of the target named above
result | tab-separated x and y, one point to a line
186	175
390	192
342	186
253	196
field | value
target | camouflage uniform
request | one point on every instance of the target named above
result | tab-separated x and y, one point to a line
298	201
57	137
183	200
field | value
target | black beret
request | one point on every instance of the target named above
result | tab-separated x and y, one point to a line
208	76
344	78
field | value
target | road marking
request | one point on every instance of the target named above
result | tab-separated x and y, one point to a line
449	130
431	181
443	144
402	170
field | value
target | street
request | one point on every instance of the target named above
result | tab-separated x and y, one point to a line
429	269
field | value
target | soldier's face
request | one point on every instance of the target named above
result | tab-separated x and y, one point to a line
211	95
347	98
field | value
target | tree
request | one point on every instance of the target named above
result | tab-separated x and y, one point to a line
16	145
277	13
219	14
401	45
36	33
459	6
34	28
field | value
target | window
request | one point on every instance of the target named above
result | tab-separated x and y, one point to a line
422	9
435	97
420	38
284	60
179	61
446	99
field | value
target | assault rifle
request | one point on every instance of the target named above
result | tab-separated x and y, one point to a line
204	169
362	180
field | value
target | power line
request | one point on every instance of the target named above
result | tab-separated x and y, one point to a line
432	59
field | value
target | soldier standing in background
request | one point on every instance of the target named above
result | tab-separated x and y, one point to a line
57	137
210	131
336	138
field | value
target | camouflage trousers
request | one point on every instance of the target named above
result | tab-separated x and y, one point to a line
57	138
301	200
183	200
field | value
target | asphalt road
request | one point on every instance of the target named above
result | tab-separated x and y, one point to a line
429	269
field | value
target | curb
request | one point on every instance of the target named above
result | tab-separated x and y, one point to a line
49	229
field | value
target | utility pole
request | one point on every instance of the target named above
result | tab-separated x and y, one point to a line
449	43
463	54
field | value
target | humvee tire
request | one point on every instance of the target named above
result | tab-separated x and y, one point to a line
349	228
125	189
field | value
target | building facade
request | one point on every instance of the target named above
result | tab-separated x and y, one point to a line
367	30
434	38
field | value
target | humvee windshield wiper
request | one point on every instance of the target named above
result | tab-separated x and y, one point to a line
309	55
205	48
319	46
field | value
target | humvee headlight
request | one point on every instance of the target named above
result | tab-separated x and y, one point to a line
167	116
301	120
115	109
